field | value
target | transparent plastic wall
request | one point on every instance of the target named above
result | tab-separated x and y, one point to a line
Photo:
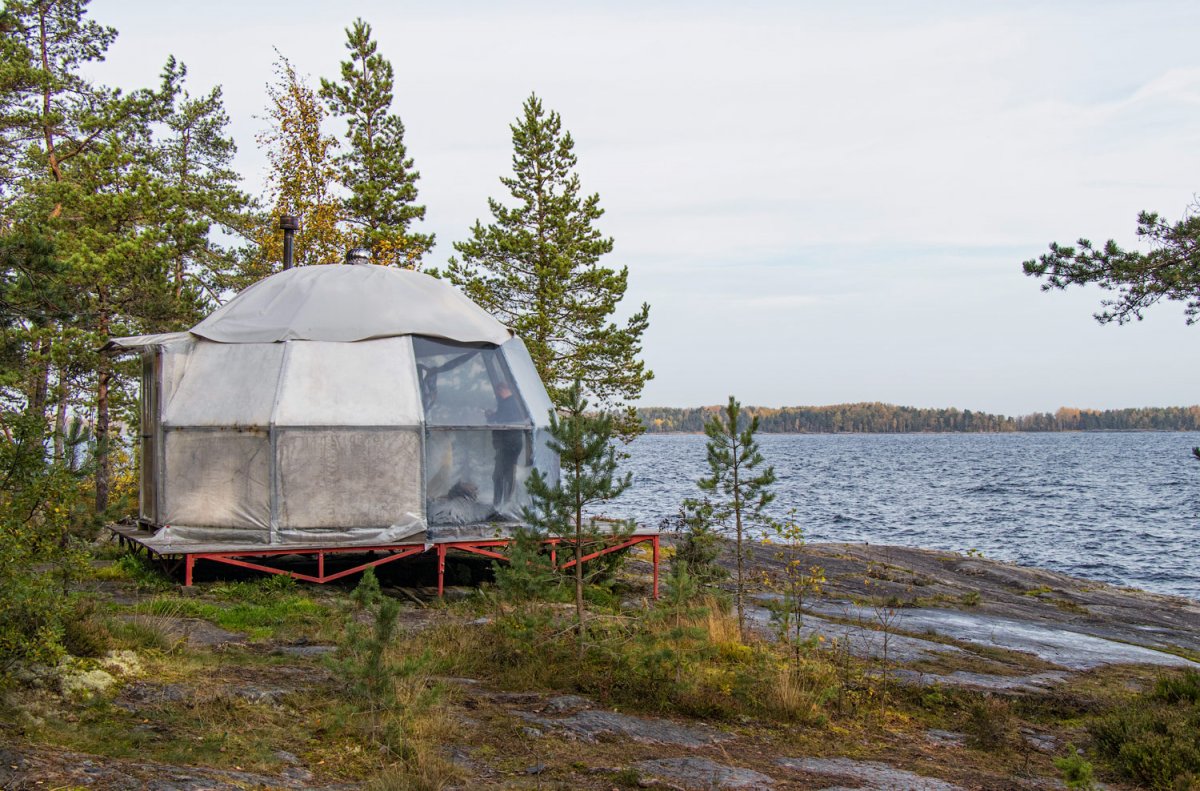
479	443
537	402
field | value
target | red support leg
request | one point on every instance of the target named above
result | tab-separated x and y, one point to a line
321	565
187	577
654	545
441	563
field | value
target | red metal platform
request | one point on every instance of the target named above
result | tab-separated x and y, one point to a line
251	557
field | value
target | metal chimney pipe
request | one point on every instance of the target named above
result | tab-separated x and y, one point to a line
358	255
290	225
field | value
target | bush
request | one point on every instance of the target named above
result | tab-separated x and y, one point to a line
990	725
698	542
527	573
38	554
1181	688
84	634
1076	772
1151	743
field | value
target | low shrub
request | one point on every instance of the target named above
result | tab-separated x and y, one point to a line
990	725
84	633
1154	740
1076	771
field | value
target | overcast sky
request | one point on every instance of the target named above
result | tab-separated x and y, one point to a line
821	202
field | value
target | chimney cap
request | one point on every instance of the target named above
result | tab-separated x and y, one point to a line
289	222
358	255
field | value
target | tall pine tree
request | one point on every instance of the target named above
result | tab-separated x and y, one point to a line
116	188
537	268
195	165
376	168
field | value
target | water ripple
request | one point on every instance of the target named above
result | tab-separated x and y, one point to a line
1120	507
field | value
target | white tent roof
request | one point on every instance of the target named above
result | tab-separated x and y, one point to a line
338	302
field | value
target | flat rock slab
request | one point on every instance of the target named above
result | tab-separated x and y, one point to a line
964	679
863	641
565	704
946	738
591	725
866	775
701	773
306	650
1058	645
34	767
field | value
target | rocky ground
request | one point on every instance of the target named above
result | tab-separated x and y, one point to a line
930	620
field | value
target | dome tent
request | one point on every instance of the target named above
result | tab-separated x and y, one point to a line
338	405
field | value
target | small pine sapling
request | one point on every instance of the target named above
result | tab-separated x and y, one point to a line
363	653
676	616
699	543
588	476
527	572
737	475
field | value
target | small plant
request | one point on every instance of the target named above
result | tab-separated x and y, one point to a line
970	598
990	725
363	652
796	583
1181	688
84	635
698	544
627	778
1076	771
583	441
145	576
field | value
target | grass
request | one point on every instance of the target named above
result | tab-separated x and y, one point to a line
135	569
258	617
687	663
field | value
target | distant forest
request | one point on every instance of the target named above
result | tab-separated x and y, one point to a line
878	418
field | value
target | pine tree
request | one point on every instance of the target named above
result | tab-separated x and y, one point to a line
583	441
301	178
734	461
537	268
121	189
376	168
203	192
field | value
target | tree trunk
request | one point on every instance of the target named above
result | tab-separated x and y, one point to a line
103	463
737	515
39	388
104	376
60	417
579	612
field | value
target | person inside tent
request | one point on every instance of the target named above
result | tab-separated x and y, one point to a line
508	444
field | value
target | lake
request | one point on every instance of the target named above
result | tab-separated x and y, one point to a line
1119	507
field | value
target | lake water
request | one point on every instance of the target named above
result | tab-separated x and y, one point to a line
1119	507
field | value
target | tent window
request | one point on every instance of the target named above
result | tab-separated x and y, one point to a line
466	386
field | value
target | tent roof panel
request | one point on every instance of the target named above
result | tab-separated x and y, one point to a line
337	302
